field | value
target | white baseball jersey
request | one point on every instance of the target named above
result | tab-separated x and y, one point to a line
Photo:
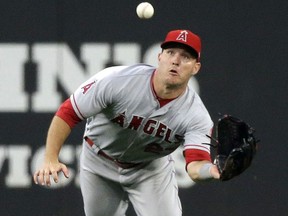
125	120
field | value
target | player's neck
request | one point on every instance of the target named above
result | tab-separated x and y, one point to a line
164	92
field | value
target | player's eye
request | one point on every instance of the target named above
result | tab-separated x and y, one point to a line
170	51
186	57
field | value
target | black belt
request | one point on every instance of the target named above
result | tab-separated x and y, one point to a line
123	165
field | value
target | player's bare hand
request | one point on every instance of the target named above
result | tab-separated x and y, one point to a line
50	170
214	172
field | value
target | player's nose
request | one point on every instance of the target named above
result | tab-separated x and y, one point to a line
176	59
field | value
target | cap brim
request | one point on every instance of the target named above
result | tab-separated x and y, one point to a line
173	44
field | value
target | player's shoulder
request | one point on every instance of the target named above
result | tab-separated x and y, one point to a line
198	110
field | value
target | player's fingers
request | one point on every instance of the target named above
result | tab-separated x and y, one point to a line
47	177
40	177
35	177
54	174
65	170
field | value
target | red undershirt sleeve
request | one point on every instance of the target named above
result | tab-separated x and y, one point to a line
196	155
67	113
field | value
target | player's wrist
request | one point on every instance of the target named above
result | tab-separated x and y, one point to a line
51	158
205	172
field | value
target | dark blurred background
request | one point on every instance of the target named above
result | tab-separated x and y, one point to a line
244	73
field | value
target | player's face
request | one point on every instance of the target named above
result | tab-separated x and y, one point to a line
176	66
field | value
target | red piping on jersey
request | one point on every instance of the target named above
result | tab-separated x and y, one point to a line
77	107
161	101
197	145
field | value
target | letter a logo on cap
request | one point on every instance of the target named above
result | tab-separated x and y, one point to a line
182	36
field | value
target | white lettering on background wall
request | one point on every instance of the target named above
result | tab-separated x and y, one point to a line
18	174
12	95
22	163
56	63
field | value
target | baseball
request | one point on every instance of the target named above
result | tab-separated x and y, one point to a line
145	10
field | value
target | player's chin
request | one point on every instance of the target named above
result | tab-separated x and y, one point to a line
172	84
175	78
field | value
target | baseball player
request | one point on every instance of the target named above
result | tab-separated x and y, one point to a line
136	116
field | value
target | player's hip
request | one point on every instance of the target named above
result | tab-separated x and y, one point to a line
100	165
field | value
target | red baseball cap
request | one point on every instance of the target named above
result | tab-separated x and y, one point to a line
186	37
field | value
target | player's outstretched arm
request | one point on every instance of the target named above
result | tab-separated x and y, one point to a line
202	170
58	132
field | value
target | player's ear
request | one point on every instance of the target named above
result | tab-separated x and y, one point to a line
159	56
196	68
